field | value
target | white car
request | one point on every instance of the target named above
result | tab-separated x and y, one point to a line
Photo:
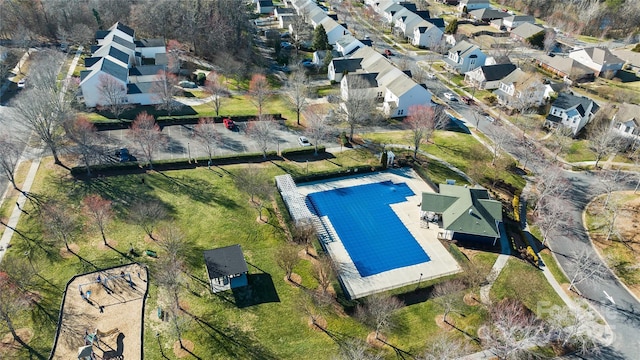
450	96
303	141
431	76
22	83
490	118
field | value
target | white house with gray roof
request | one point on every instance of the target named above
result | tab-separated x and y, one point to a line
117	59
600	60
465	56
571	111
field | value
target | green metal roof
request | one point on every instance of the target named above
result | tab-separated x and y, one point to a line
465	210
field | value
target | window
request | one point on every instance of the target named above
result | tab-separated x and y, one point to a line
400	112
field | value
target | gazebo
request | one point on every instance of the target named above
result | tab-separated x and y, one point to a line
226	267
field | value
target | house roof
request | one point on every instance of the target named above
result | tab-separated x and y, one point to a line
225	261
155	42
567	102
497	72
513	18
464	48
423	26
145	70
628	112
368	80
123	42
264	3
439	22
602	55
565	65
465	210
114	69
627	55
466	2
141	87
527	30
346	40
488	14
341	65
100	34
122	27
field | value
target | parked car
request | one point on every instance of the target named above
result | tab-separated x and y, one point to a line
123	155
22	83
388	53
431	76
286	45
229	124
449	96
306	63
489	118
303	141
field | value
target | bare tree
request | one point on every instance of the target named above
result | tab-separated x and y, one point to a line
301	31
296	90
551	216
147	214
261	131
304	233
446	295
255	182
10	152
354	349
549	40
12	303
602	140
562	138
259	91
586	268
59	222
206	135
318	126
113	94
147	136
170	277
445	347
513	331
99	211
608	182
421	125
174	51
84	137
358	108
287	259
549	183
378	311
575	328
500	139
215	87
323	272
164	89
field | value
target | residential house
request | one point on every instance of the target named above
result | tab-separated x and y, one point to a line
488	77
334	30
553	88
627	120
360	84
264	6
467	214
525	31
487	14
568	69
600	60
117	58
513	21
226	267
464	57
631	58
426	34
397	90
347	44
285	16
319	56
520	90
468	5
315	16
338	67
571	111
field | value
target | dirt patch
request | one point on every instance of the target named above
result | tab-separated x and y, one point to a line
471	299
185	351
8	343
112	309
66	254
376	342
442	324
296	280
262	220
319	324
311	256
101	246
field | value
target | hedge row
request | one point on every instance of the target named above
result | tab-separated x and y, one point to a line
172	164
307	150
330	174
166	121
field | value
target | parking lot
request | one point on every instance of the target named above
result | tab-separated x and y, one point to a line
181	143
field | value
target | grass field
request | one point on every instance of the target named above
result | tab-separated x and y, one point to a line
208	208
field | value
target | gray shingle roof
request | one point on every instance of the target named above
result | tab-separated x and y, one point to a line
527	30
120	55
100	34
140	88
156	42
368	79
122	27
349	65
488	14
123	42
602	55
145	70
225	261
497	72
114	69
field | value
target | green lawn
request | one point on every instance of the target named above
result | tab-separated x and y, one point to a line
578	151
521	280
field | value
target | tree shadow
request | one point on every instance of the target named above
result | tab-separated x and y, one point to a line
235	342
400	354
197	189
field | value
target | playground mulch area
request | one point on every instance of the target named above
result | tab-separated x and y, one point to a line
107	303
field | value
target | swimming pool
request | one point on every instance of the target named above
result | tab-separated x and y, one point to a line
372	234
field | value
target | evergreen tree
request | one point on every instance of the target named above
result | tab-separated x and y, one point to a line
452	27
320	39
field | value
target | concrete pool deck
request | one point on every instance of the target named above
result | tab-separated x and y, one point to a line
441	263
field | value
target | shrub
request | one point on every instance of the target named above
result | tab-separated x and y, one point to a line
532	255
201	78
636	48
516	208
344	139
491	99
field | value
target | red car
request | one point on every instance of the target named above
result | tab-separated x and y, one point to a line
388	52
228	123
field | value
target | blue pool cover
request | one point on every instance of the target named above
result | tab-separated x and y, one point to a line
372	233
